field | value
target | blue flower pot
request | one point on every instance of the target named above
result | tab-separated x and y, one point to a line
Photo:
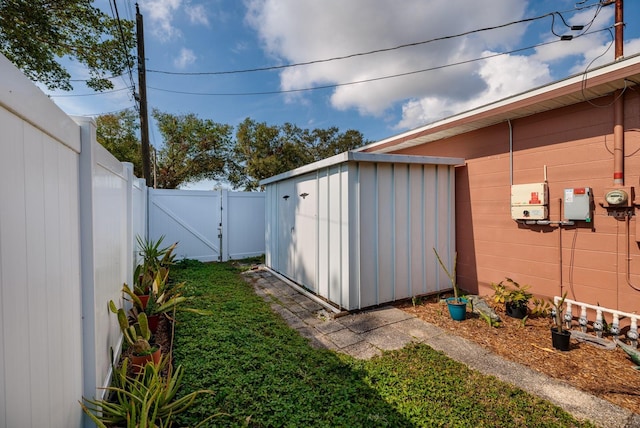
457	309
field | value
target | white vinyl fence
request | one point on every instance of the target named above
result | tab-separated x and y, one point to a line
208	226
66	217
69	215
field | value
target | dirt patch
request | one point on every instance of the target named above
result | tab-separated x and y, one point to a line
608	374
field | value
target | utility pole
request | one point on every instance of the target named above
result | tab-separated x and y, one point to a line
619	24
142	83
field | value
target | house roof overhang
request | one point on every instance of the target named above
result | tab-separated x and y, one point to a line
573	90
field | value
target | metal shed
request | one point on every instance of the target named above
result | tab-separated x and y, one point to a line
358	229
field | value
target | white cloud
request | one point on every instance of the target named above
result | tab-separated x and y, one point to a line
186	58
524	73
160	14
294	31
297	31
197	14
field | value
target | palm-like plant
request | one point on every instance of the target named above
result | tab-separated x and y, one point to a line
143	401
154	258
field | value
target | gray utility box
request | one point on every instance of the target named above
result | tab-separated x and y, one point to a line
577	204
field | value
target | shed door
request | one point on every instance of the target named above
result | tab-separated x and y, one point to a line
286	200
306	233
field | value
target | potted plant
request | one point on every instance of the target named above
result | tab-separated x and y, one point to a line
457	305
515	298
137	336
559	336
163	298
154	258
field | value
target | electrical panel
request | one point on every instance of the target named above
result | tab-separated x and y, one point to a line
529	201
577	203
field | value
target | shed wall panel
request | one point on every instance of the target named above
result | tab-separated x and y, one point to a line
386	242
348	291
368	226
363	233
306	231
402	230
416	221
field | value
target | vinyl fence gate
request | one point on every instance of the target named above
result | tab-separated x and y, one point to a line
208	225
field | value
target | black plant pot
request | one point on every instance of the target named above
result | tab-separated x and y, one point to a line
560	340
515	310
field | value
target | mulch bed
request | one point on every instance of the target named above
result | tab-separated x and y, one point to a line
608	374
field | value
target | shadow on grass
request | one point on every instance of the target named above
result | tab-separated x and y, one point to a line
267	375
263	372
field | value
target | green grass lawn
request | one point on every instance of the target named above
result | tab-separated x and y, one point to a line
266	375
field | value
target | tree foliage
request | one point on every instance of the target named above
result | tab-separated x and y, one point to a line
194	149
262	150
36	34
118	133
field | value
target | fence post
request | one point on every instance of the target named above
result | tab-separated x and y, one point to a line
87	262
224	220
130	255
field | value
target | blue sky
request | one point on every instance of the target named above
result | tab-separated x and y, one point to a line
208	36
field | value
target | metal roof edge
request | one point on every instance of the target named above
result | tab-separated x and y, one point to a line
389	158
353	156
630	61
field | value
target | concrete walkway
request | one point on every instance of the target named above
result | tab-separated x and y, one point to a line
366	334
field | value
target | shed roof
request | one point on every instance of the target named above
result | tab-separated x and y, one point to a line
573	90
362	157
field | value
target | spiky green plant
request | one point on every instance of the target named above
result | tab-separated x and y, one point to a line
143	401
137	334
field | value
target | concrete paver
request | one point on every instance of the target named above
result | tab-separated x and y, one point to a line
344	337
329	326
367	334
387	338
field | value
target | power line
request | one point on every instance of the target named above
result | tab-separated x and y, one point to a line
438	67
110	112
337	58
92	93
124	45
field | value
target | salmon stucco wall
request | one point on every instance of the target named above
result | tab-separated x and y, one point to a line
575	144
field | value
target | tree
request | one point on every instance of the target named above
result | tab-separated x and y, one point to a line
36	34
262	151
117	133
194	149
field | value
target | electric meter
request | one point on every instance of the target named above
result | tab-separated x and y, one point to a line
616	197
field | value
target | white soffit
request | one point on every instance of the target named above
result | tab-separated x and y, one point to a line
573	90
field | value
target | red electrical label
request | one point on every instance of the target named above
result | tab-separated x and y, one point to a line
534	198
579	191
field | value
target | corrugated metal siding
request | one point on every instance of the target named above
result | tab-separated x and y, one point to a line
363	235
404	212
